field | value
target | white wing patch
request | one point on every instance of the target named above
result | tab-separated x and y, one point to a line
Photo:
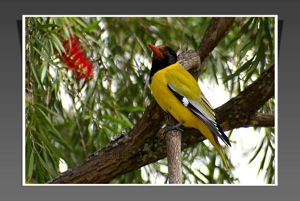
185	101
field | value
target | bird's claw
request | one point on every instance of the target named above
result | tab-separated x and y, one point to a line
173	127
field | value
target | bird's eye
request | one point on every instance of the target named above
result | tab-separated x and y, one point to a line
167	53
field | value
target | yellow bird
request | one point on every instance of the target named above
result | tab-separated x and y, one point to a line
177	92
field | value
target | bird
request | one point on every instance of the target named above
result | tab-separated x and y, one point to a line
177	92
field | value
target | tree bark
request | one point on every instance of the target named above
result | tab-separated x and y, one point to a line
173	143
217	29
145	144
248	102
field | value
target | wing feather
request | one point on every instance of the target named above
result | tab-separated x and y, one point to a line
203	110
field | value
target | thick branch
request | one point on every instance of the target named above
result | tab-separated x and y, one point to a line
144	144
261	120
239	111
255	120
216	31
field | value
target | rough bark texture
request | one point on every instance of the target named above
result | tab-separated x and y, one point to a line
248	102
173	143
217	29
145	144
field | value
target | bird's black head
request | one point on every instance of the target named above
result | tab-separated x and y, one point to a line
163	56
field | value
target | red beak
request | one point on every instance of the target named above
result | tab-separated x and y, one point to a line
156	51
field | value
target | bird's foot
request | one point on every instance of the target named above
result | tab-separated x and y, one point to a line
173	127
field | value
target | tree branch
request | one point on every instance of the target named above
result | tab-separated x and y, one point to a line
239	111
216	31
255	120
145	144
173	144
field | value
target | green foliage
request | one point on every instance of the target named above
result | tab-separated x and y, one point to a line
67	118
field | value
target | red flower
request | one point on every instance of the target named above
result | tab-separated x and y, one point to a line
76	60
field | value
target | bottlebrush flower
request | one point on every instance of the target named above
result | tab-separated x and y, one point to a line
75	59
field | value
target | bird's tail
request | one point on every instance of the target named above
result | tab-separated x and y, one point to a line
214	141
222	154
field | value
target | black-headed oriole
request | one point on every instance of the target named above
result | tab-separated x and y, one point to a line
177	92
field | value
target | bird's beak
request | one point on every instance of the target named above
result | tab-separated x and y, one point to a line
156	51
